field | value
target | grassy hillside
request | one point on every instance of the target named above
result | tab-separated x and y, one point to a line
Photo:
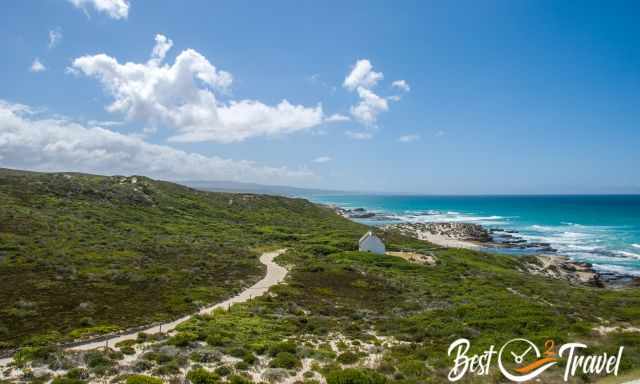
83	254
147	250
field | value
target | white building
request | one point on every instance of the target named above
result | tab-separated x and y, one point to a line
371	243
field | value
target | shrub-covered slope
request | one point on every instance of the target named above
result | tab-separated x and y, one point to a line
83	254
81	251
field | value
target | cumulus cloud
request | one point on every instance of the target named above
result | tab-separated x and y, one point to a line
336	118
322	159
401	85
362	75
159	51
361	79
370	105
29	140
359	135
182	96
37	66
116	9
55	36
408	138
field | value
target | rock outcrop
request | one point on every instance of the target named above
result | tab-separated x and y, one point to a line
454	231
561	267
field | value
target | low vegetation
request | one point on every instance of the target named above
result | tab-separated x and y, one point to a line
343	317
82	255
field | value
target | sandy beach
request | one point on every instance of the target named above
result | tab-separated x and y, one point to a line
446	242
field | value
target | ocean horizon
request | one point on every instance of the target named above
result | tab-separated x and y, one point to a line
603	230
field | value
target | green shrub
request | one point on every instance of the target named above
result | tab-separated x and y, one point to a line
170	368
241	366
77	373
217	340
98	361
158	357
237	379
143	379
87	322
142	337
249	358
202	376
205	356
355	376
237	352
142	365
183	339
348	358
259	348
285	360
127	343
223	370
413	368
127	350
67	380
285	346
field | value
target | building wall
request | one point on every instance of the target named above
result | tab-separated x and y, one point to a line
372	244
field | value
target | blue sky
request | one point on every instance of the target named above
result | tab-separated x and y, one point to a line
498	97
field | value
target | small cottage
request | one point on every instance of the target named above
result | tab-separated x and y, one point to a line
371	243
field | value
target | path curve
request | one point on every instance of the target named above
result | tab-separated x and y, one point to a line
275	274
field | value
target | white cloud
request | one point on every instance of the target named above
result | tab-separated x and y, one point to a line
241	120
362	75
181	96
322	159
31	141
116	9
408	138
336	118
440	133
370	105
104	123
55	36
402	85
37	66
359	135
361	79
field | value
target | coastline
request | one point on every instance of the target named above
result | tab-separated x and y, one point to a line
543	259
448	242
443	240
478	238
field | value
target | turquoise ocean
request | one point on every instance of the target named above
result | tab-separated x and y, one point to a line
600	229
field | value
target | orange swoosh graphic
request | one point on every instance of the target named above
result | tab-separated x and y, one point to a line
535	364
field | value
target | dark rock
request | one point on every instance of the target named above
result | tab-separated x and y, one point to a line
362	215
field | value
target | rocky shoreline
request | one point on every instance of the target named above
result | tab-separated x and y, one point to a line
473	233
475	236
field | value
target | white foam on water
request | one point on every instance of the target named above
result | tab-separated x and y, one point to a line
599	244
585	248
617	269
628	254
